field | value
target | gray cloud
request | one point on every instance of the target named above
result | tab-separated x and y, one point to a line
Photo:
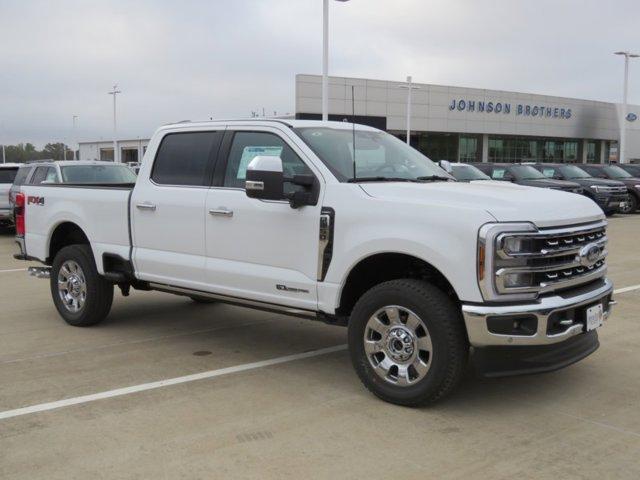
195	59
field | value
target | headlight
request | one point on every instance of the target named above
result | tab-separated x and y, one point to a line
596	188
637	187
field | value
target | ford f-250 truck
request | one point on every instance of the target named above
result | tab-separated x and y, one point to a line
341	223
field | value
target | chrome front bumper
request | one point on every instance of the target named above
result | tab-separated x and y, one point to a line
476	317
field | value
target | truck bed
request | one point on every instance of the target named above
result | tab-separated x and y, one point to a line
101	212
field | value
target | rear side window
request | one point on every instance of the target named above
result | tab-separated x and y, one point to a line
39	175
185	158
8	175
21	176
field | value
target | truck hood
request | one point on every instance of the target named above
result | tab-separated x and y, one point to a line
549	183
506	202
597	181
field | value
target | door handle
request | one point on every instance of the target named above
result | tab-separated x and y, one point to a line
146	206
221	212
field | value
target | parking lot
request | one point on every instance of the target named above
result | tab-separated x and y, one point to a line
273	403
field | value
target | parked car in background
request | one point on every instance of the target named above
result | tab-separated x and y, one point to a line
615	172
610	195
631	168
284	216
525	175
90	172
8	172
464	172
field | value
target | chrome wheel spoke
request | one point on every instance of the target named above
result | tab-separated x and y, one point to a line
420	367
377	326
424	343
403	375
413	322
372	346
393	314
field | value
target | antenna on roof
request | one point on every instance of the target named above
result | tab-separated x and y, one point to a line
353	127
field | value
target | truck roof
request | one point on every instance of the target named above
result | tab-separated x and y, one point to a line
288	122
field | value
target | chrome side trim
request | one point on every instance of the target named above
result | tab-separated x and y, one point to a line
243	302
254	185
323	241
475	318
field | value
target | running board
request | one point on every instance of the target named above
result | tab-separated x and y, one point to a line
241	302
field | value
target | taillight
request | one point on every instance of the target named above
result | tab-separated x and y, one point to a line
18	213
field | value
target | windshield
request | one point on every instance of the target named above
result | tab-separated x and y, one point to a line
468	172
525	172
97	174
378	155
613	171
8	174
633	169
571	171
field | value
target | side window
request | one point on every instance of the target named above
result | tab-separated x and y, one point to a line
39	175
248	145
52	176
498	173
184	158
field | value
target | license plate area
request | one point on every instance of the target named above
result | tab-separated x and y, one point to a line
594	317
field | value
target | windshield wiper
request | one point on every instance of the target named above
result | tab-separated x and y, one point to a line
381	179
433	178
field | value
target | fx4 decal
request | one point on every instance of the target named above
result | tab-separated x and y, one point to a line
33	200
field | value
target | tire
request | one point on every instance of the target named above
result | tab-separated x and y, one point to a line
87	295
632	205
203	300
443	347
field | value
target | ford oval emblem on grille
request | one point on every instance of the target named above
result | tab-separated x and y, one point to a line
589	254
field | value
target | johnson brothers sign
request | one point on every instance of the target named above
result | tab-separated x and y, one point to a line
463	105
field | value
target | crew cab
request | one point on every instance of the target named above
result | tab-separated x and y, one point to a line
341	223
610	195
7	174
523	174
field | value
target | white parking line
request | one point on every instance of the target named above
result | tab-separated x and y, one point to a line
14	270
43	407
627	289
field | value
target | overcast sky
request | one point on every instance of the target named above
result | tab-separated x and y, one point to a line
189	59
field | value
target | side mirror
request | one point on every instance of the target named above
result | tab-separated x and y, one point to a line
265	180
445	165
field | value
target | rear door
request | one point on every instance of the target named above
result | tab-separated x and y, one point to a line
257	249
168	209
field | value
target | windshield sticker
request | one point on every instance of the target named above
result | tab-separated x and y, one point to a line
498	173
548	172
249	153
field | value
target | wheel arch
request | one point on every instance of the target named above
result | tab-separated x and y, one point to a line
377	268
64	234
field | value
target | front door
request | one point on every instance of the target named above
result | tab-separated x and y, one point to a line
168	210
262	250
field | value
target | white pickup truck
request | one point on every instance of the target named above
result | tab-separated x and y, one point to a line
278	215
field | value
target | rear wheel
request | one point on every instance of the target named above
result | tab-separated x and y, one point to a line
81	296
407	342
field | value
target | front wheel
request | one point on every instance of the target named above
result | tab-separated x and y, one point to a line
81	296
630	206
407	342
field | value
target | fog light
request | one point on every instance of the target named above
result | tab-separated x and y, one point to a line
512	280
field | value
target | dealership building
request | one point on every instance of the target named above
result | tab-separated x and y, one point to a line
456	123
476	125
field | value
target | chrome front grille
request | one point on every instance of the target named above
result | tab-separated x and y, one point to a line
549	259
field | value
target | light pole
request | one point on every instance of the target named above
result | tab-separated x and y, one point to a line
75	139
115	92
623	126
410	87
4	159
325	59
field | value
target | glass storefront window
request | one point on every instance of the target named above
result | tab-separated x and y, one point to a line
468	149
518	149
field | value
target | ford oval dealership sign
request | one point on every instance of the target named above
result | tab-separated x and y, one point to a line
631	117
